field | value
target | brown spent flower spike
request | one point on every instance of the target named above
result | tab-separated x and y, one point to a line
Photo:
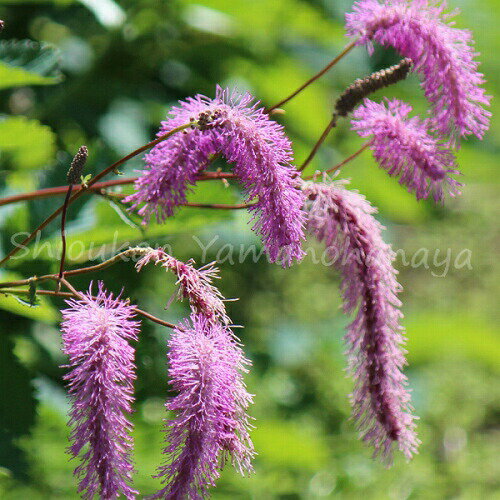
363	87
76	168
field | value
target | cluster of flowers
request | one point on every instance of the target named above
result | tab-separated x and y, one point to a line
206	363
206	367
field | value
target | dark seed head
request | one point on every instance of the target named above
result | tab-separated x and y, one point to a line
361	88
76	168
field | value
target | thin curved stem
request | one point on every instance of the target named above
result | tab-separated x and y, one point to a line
51	293
63	230
97	178
70	295
327	68
98	186
219	206
321	140
75	272
154	318
343	162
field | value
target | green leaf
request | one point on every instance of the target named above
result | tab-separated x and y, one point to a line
24	62
29	143
43	311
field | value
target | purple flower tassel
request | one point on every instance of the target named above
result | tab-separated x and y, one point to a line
205	368
404	147
96	336
260	151
194	284
343	220
442	54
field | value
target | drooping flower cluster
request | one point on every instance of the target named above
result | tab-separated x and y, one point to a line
404	147
257	146
205	368
194	284
205	362
442	54
344	221
96	335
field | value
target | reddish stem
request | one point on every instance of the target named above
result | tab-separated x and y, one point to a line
63	231
60	190
71	295
342	163
92	182
318	144
327	68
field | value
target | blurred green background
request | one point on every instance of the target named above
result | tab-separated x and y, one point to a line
104	73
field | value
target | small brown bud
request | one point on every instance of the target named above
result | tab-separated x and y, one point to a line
76	168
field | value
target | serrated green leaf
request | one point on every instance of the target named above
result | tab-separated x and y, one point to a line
29	143
24	62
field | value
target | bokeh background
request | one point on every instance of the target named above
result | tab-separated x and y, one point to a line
105	74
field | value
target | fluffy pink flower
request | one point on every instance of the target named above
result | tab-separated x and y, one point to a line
441	53
343	220
260	151
205	368
405	148
96	336
194	284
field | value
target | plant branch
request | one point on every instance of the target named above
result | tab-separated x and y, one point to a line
77	295
84	188
63	230
321	140
75	272
327	68
60	190
219	206
342	163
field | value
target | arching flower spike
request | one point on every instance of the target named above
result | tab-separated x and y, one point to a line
442	54
205	368
343	220
406	149
261	153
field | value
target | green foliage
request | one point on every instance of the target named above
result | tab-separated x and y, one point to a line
17	408
28	144
23	62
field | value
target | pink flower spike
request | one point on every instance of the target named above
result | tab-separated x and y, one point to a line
442	54
232	125
343	220
194	284
404	147
96	332
205	367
